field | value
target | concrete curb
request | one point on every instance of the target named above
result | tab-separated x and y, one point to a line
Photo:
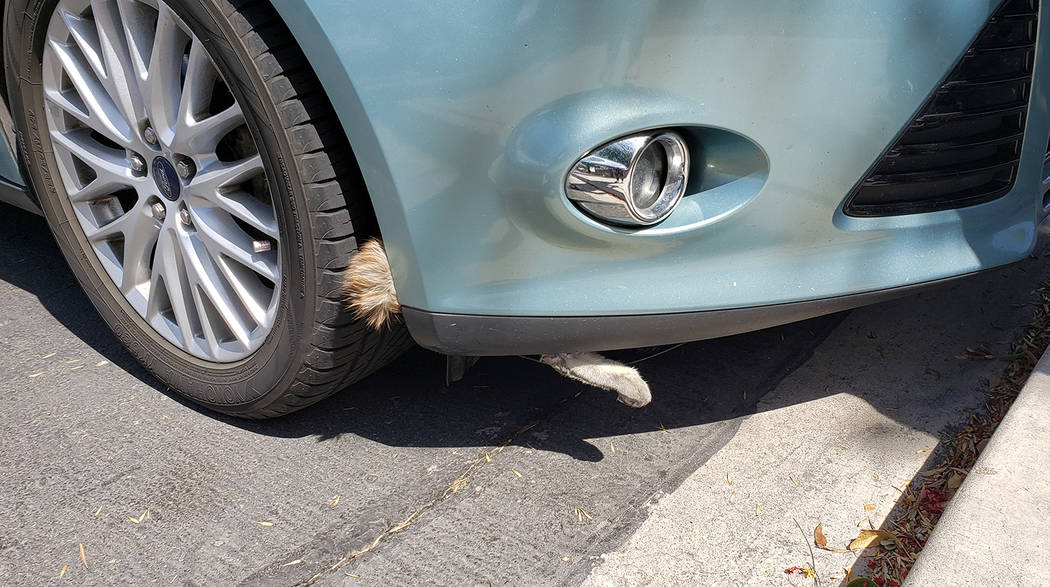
993	531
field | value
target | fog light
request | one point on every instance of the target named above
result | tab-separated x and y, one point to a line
634	181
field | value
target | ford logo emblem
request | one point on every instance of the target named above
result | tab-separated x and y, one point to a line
166	178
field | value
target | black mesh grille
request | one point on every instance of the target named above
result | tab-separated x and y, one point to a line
963	146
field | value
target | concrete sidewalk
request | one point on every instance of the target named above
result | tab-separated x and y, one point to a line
832	444
994	529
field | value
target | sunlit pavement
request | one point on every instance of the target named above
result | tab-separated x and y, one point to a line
808	422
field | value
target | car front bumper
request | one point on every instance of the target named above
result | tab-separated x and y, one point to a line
465	123
477	335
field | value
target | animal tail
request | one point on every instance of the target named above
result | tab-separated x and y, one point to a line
369	286
603	373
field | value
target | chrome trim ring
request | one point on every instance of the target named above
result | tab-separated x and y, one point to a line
601	182
162	174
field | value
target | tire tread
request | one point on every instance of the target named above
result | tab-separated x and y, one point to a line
342	350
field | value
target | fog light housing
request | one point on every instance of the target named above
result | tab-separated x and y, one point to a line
633	181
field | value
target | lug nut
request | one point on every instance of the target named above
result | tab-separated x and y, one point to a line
138	164
185	168
184	216
150	135
158	210
261	246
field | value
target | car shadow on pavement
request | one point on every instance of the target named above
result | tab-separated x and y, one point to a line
30	260
407	403
696	384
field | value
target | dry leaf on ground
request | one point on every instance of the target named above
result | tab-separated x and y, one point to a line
980	353
139	520
822	542
868	538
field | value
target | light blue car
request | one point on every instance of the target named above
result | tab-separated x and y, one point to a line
545	176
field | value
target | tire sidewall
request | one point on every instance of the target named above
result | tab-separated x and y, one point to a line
242	386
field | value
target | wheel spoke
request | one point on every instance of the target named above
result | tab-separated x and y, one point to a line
246	208
192	135
64	101
91	152
202	136
97	188
253	296
221	175
85	34
202	273
137	22
162	88
104	183
120	83
206	314
139	237
168	273
109	166
224	237
102	114
114	228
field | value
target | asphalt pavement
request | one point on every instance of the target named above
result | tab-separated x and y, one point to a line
401	481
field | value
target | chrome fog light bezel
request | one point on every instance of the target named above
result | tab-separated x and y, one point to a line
601	182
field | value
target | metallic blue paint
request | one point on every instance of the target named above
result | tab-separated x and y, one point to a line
465	118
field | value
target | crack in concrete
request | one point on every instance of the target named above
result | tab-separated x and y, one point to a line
472	468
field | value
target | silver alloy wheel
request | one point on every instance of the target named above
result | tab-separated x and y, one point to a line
162	174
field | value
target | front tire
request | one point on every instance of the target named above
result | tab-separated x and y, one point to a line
227	289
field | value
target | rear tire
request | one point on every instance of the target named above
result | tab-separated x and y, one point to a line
314	346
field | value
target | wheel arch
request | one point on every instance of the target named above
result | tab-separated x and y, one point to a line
302	19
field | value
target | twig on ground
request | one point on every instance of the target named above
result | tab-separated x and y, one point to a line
812	559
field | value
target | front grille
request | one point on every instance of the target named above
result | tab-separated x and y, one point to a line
963	146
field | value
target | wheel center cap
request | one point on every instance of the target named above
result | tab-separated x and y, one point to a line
166	178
